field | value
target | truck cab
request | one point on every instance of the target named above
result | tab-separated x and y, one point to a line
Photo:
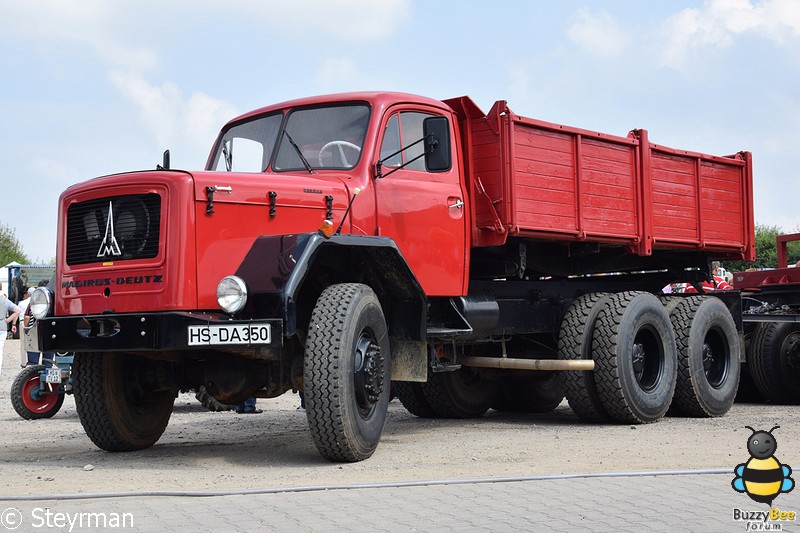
211	278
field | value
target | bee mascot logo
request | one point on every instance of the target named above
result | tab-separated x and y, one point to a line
763	477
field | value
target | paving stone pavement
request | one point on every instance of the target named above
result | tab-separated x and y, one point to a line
642	503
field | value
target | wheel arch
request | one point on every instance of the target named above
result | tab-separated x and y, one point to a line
287	273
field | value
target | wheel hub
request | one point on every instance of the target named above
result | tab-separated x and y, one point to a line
638	360
790	351
368	373
647	359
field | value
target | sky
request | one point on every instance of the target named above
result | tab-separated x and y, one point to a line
94	87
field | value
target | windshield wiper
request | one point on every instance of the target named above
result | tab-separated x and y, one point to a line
300	153
227	155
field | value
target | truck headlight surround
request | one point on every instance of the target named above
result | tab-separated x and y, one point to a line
41	302
231	294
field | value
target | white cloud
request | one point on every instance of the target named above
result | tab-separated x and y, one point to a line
598	33
55	170
352	20
94	23
172	118
336	72
719	22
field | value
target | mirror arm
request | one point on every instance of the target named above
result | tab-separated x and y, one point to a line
430	147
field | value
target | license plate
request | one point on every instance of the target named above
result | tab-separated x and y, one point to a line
52	375
230	334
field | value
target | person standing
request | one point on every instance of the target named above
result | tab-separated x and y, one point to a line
27	358
11	314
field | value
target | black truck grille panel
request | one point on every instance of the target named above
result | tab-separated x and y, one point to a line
132	232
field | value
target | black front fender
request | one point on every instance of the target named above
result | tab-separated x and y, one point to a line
286	274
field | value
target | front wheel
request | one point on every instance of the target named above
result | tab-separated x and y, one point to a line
347	372
461	393
538	394
32	399
121	400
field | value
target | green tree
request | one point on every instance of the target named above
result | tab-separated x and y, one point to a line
766	250
10	247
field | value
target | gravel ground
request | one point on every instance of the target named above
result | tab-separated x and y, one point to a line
202	450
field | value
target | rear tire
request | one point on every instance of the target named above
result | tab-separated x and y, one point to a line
774	361
708	356
574	343
635	353
27	396
347	372
116	401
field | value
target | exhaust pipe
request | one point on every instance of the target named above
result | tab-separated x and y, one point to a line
527	364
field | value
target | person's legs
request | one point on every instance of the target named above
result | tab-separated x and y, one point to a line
247	407
3	335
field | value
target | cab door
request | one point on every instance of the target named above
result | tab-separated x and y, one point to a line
424	212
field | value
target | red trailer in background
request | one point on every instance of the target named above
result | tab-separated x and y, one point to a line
771	301
335	244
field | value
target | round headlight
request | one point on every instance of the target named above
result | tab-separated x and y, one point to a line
41	302
231	294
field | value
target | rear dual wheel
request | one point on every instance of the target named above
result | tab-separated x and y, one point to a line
708	356
575	343
635	358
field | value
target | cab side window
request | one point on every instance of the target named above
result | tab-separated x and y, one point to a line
403	129
391	142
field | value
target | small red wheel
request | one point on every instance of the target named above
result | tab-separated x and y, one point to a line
33	399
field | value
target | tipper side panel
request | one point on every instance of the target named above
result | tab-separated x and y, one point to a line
573	184
701	201
536	179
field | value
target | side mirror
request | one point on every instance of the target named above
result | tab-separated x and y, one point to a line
437	144
165	163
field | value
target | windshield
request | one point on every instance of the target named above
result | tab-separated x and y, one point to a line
322	137
248	146
328	137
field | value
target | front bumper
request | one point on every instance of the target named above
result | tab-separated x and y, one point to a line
151	332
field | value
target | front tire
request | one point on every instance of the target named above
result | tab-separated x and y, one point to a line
461	393
209	402
412	397
539	394
347	372
119	402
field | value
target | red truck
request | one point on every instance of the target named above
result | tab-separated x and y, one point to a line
350	244
771	303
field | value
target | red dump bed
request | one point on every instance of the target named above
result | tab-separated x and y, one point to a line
530	178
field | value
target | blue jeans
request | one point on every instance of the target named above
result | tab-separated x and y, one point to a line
248	405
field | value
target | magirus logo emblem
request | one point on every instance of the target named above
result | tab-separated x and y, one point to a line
109	246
